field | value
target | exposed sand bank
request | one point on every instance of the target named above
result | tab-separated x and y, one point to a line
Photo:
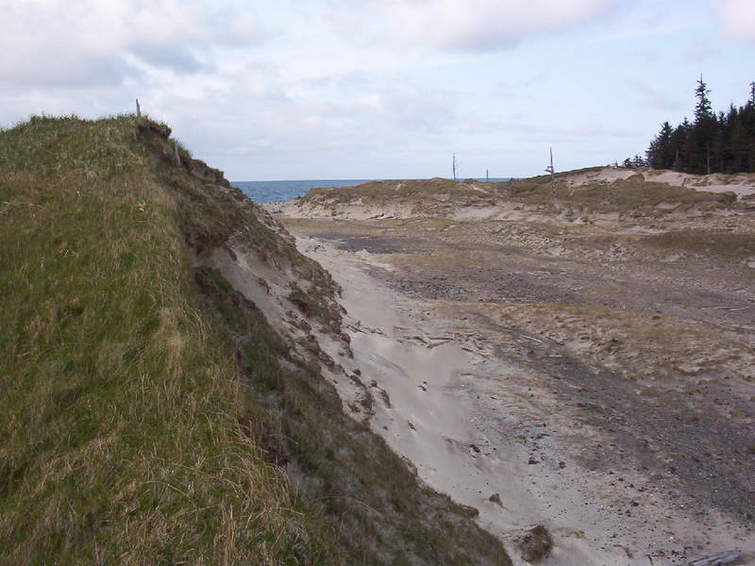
451	406
577	353
742	184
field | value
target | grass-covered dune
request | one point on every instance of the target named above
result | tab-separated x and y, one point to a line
583	193
120	397
147	407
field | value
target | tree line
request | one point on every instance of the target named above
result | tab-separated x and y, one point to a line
722	142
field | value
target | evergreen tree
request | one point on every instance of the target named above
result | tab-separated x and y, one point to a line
712	142
736	143
730	121
700	139
703	111
660	154
634	162
680	140
717	142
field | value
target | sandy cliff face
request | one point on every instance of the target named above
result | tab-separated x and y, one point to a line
285	307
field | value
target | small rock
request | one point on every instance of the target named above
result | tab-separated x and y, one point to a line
495	498
385	397
532	460
535	545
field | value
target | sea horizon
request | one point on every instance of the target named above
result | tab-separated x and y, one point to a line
285	189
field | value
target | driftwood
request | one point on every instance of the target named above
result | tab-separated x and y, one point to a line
726	557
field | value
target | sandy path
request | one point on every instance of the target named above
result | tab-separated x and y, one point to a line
475	424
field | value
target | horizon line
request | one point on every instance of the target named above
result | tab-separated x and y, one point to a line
360	179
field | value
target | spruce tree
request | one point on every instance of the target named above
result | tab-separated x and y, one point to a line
660	154
712	142
679	146
717	143
700	140
703	111
736	143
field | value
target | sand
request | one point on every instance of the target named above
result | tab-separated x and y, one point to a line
452	408
595	377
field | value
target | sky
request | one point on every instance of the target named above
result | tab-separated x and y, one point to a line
338	89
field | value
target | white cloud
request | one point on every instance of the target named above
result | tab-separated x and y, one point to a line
738	18
484	24
88	42
355	88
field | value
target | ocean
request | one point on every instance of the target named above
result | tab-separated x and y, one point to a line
273	191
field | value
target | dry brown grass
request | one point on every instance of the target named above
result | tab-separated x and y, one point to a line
718	244
634	343
633	196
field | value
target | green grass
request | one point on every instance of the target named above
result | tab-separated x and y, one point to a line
121	440
147	406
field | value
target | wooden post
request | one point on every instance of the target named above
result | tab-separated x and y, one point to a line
138	109
453	165
487	175
176	156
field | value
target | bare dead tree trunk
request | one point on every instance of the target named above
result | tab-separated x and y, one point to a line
553	170
138	109
550	168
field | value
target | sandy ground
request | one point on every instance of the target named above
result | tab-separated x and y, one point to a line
596	378
475	425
